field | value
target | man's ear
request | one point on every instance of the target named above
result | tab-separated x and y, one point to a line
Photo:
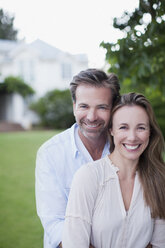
74	108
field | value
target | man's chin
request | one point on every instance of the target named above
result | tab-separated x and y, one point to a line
92	134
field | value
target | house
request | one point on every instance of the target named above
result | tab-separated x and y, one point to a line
42	66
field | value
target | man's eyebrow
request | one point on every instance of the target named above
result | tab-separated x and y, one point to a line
82	103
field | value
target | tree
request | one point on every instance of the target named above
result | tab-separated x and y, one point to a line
7	30
55	109
139	57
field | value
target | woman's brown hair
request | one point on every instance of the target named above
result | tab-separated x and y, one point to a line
151	166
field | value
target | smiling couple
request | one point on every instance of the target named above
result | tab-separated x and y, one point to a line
117	197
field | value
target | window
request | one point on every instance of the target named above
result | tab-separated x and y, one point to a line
66	71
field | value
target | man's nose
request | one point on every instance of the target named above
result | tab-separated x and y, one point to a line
92	115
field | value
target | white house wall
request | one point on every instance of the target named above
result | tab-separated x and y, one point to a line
25	62
11	107
41	74
46	77
17	111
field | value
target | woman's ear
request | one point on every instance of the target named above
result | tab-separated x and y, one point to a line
111	131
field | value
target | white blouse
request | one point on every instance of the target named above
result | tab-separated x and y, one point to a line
96	214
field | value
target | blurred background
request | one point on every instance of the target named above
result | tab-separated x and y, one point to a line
43	44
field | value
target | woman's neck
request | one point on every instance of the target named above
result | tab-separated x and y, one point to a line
127	167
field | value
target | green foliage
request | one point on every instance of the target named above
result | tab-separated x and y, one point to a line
7	30
139	58
159	108
15	85
21	227
55	109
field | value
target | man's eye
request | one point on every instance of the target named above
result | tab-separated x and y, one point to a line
103	107
83	106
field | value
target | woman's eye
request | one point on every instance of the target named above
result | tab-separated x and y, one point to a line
122	127
141	128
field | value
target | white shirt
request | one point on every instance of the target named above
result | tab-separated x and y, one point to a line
96	214
57	161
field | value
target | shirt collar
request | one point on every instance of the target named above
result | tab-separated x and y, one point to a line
73	142
111	173
74	146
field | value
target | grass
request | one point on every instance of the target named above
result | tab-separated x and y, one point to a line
20	226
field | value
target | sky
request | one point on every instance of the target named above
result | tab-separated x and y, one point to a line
74	26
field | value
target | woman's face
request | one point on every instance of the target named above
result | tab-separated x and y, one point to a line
130	130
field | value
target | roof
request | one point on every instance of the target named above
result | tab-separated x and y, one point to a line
43	49
47	51
8	45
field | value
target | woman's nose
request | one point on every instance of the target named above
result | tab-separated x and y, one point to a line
131	135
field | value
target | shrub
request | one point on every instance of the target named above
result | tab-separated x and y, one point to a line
55	109
15	85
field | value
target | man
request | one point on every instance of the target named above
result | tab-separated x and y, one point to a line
93	93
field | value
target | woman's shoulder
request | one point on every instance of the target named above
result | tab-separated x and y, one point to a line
100	170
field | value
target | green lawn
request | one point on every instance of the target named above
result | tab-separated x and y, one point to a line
20	226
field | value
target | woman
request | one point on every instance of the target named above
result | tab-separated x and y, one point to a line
119	201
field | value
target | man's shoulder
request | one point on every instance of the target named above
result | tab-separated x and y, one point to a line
60	139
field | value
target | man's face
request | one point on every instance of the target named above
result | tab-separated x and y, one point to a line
92	110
